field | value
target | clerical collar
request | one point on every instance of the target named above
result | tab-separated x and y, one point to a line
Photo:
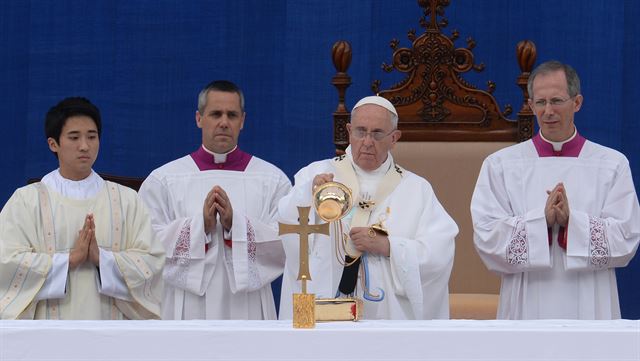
235	160
219	157
378	172
568	148
82	189
369	180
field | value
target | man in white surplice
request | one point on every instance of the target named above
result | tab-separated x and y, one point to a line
403	275
214	210
74	246
556	214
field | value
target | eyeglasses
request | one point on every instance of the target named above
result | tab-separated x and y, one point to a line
554	102
377	135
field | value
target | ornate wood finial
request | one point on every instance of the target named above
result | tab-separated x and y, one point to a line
526	54
341	56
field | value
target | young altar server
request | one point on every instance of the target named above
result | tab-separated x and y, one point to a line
75	246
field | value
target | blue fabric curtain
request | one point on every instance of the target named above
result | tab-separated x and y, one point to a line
143	63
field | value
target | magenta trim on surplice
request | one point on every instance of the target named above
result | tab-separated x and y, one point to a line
571	148
236	160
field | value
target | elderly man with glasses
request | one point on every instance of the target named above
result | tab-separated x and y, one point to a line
398	238
555	215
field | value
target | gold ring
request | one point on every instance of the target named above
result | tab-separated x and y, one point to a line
372	233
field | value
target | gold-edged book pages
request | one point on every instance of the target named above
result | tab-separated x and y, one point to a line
338	309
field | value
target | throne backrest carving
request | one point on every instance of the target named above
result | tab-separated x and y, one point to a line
434	101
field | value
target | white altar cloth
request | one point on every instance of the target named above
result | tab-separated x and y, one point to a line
277	340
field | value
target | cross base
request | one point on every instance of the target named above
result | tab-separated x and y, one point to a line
304	310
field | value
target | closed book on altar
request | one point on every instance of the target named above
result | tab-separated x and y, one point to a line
338	309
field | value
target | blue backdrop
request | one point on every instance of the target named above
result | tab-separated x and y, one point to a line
143	63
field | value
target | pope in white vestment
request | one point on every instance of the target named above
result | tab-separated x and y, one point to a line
221	273
550	269
408	277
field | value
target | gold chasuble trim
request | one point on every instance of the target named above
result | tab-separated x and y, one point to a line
116	216
53	306
117	231
17	281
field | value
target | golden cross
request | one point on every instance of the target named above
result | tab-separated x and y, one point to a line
304	229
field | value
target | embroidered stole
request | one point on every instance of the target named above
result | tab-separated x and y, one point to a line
363	208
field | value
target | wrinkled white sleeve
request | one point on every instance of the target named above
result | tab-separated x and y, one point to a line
183	238
111	282
507	242
256	257
609	239
299	196
421	264
55	285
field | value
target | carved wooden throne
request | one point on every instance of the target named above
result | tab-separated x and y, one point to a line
448	127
